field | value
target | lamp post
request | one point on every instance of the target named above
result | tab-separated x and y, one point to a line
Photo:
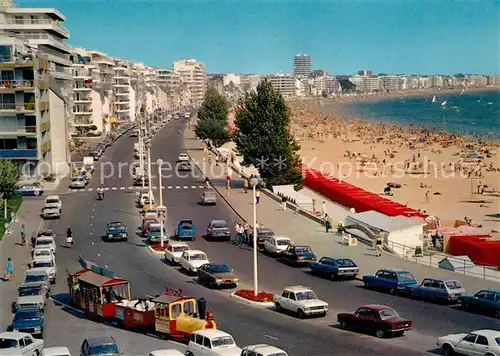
150	191
141	153
254	182
159	161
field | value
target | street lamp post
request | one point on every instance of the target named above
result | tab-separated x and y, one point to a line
150	192
254	182
160	162
141	153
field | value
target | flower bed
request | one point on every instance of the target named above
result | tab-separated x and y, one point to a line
262	297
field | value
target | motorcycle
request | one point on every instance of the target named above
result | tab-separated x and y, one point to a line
69	241
100	195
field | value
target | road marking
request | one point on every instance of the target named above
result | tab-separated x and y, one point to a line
201	186
130	187
193	187
162	187
137	188
107	188
177	187
185	187
122	188
114	188
90	189
169	187
154	187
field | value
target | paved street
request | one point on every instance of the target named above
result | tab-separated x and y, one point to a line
149	274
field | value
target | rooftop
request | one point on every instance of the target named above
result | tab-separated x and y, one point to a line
37	10
386	223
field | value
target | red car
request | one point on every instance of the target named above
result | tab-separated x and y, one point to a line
146	223
379	319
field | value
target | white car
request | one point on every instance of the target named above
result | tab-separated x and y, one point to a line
183	157
191	260
169	352
479	342
212	342
262	350
47	263
23	342
31	295
46	242
144	199
300	300
277	244
43	252
53	201
174	252
56	351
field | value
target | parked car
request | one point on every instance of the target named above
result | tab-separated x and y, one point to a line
263	234
185	230
46	242
28	320
298	255
144	199
191	260
24	342
153	233
46	263
437	290
43	252
212	342
479	342
262	350
39	277
56	351
217	229
379	319
277	244
174	251
333	268
31	295
116	231
30	189
391	280
183	157
145	225
77	183
184	167
300	300
53	201
208	198
484	301
217	276
99	346
169	352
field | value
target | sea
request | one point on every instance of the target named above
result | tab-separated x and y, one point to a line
471	113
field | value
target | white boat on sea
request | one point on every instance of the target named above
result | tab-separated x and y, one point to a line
434	99
444	103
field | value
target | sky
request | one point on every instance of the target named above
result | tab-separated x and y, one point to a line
342	37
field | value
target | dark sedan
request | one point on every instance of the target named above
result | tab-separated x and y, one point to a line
379	319
217	229
298	255
28	320
116	231
484	301
334	268
217	276
263	234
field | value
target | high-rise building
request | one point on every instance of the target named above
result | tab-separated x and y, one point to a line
365	73
302	65
193	80
34	51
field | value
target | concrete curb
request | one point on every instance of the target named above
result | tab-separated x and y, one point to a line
152	250
266	305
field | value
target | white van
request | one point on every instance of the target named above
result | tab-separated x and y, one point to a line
262	350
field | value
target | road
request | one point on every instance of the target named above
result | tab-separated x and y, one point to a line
148	274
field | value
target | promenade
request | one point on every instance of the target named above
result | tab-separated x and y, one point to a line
303	230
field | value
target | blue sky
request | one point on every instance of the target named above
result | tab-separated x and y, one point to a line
420	37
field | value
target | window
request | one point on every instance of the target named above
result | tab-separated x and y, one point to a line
481	294
176	310
5	53
497	297
426	283
292	296
192	338
189	308
482	340
199	339
453	284
392	275
490	296
362	312
470	338
441	285
206	343
498	340
285	294
22	344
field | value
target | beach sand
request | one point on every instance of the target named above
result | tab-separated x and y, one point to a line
370	155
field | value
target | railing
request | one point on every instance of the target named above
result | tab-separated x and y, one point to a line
432	259
19	153
17	59
38	22
8	106
16	83
43	36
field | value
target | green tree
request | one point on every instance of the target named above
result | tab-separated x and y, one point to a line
212	118
9	177
263	136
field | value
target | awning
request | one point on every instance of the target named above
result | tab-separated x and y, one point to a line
99	280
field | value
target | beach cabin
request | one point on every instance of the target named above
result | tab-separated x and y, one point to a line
401	234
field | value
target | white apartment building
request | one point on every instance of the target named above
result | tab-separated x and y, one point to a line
389	82
324	84
123	103
284	83
193	80
476	80
49	104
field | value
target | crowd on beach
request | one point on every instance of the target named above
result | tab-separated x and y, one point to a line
440	172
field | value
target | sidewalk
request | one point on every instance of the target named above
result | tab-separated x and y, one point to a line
305	231
28	215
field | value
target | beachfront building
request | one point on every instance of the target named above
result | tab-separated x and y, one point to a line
193	81
389	83
302	65
476	80
324	85
365	73
366	84
41	30
286	84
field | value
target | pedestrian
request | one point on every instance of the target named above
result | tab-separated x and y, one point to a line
314	205
241	232
237	231
9	270
323	209
257	197
247	232
328	223
427	196
378	245
283	203
23	235
207	182
245	185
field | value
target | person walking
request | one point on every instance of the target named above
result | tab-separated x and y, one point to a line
257	197
427	196
23	235
378	245
247	230
237	232
241	233
9	270
328	223
323	209
283	203
69	237
245	185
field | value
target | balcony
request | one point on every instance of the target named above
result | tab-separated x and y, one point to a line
122	94
45	126
82	100
16	85
17	107
46	147
18	131
83	112
43	105
82	88
35	24
122	110
46	39
19	154
16	62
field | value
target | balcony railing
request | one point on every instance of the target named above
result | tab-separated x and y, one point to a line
19	153
7	106
16	83
17	107
56	24
44	36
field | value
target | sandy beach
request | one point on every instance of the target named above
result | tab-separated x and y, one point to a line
442	174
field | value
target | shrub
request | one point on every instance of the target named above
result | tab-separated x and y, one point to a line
262	297
49	177
13	205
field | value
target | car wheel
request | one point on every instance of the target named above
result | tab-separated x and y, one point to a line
301	313
37	353
212	285
497	313
37	193
189	353
343	324
392	291
278	307
380	333
447	350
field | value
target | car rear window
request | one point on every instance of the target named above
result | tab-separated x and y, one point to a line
43	242
219	225
302	249
52	201
405	276
453	284
35	278
8	343
104	349
345	263
283	242
30	291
